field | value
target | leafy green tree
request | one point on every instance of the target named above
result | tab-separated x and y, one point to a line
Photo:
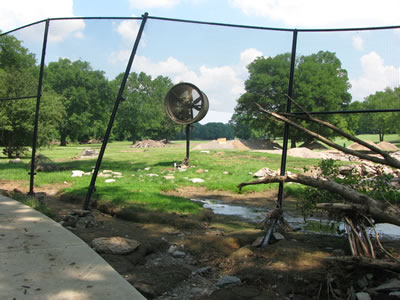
142	114
19	78
320	84
382	123
86	96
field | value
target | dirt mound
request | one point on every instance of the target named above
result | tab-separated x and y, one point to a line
260	144
313	146
388	146
239	145
45	164
304	153
148	144
358	147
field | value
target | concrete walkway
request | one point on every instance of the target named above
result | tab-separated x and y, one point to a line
40	259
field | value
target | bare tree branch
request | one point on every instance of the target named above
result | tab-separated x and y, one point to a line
388	160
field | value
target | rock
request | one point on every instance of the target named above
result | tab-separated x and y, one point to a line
226	173
109	180
89	152
264	172
147	169
363	282
200	171
152	175
178	254
80	212
277	236
228	281
77	173
196	180
363	296
107	171
258	241
104	175
15	161
205	151
201	271
169	177
116	173
115	245
392	285
395	294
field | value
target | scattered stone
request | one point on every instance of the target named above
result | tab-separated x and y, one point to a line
152	175
258	242
89	153
77	173
228	281
116	173
79	218
104	175
201	271
226	173
45	164
107	171
277	236
80	212
115	245
200	171
15	161
205	151
196	180
264	172
392	285
87	173
169	177
363	282
109	180
178	254
147	169
363	296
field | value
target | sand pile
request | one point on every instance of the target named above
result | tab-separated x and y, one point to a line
239	145
358	147
387	146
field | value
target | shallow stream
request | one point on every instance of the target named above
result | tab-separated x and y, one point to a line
256	215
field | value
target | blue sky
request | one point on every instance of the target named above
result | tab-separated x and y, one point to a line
214	58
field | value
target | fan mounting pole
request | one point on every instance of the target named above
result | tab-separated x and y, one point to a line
186	161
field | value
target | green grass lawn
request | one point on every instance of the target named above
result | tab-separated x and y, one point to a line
222	170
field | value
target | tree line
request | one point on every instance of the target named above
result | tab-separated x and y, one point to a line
77	101
320	84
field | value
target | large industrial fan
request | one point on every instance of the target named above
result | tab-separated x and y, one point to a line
186	104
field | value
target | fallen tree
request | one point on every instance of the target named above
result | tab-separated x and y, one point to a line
359	208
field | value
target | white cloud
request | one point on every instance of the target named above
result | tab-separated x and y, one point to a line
128	30
248	55
358	43
376	76
223	85
18	13
324	14
153	3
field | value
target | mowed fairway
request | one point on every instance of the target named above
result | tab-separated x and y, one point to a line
143	183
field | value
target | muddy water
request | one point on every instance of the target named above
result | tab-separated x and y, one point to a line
256	215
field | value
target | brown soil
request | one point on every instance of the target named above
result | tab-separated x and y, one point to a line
214	246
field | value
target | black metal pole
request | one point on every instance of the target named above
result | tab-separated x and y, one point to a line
288	108
187	143
114	112
38	98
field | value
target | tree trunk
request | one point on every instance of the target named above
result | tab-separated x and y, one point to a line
292	143
63	139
